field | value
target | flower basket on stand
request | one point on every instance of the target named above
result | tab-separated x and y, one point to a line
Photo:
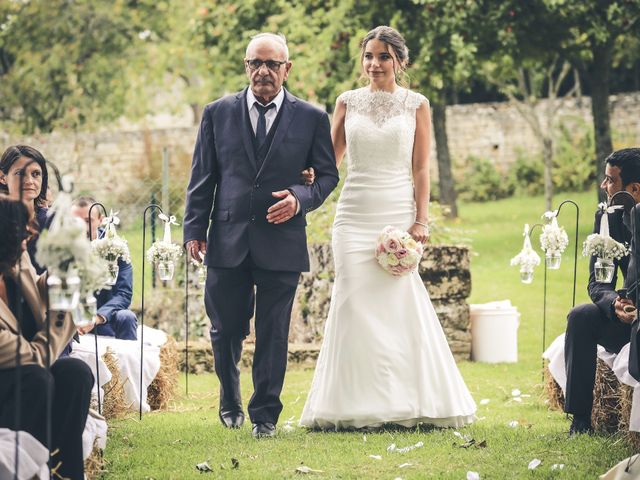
112	247
73	271
553	240
164	253
604	248
527	259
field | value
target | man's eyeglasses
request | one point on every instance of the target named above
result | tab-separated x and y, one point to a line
273	65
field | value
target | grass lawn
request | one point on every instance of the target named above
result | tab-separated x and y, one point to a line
169	444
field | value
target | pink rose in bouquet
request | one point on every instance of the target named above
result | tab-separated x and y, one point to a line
397	252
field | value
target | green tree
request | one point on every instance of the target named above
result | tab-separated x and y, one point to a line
66	63
587	35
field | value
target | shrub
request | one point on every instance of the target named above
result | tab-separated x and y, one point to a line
527	174
483	182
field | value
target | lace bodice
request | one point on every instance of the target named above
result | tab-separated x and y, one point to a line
380	129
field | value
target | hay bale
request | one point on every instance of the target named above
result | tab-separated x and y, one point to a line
625	394
163	388
114	404
94	464
606	412
552	391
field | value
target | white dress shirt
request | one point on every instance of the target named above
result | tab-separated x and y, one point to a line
271	114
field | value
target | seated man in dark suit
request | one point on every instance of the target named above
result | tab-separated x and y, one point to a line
113	319
603	322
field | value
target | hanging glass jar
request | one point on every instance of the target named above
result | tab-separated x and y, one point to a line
526	275
553	260
64	292
165	270
604	269
85	311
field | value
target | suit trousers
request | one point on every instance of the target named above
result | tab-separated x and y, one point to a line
231	295
70	381
587	328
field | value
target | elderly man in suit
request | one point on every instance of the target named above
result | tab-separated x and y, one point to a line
250	150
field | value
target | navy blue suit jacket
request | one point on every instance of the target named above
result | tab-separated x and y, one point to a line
119	296
228	189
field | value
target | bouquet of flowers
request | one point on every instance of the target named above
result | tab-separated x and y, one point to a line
111	246
598	245
554	238
527	259
64	245
162	251
397	252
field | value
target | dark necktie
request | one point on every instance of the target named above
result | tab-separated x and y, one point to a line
261	127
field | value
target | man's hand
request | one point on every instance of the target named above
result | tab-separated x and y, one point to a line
625	310
285	209
308	176
197	249
97	320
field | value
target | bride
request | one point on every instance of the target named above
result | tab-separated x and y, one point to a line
385	358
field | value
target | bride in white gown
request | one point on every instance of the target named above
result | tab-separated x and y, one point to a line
384	358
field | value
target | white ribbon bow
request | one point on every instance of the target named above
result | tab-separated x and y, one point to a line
604	221
168	221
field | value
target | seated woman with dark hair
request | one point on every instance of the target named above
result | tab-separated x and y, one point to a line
26	166
24	342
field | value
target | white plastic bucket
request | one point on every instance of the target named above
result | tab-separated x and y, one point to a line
494	332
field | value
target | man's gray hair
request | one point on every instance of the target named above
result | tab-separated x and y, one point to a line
277	37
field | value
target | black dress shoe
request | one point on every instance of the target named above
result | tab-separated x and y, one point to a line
233	419
263	430
580	424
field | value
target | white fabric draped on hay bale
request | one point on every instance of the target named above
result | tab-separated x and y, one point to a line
619	364
33	456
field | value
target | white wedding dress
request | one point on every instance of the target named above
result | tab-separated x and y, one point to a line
384	358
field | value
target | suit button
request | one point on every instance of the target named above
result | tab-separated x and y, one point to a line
253	218
257	185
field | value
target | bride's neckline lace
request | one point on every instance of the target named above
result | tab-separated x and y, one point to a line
380	105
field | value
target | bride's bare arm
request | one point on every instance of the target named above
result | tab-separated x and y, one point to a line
337	131
421	149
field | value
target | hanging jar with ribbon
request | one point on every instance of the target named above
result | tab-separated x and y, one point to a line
604	248
163	254
111	247
527	259
553	240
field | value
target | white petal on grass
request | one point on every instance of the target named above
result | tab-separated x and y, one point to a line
405	465
557	466
533	464
457	434
484	401
287	428
473	475
204	467
364	438
514	423
525	395
515	392
376	457
517	399
304	469
391	447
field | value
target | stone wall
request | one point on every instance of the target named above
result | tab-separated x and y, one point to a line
116	161
444	269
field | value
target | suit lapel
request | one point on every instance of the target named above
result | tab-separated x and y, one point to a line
288	112
242	117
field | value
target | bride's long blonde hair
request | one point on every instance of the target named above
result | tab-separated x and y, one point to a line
396	42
